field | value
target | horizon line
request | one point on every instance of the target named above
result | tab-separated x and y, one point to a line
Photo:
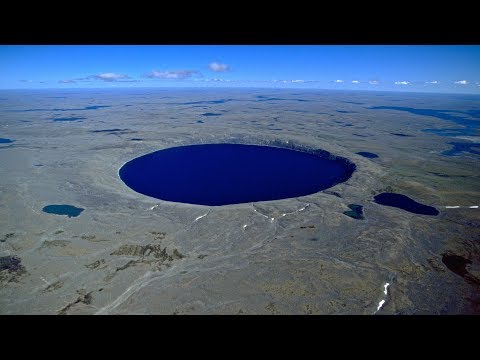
239	87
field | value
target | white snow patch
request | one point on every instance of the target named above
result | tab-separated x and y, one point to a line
380	304
201	216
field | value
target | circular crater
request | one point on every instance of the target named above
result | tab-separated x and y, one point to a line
223	174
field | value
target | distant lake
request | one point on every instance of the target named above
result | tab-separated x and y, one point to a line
72	118
402	135
470	126
459	147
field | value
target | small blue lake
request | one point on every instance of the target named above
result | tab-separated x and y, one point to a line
208	102
355	212
71	118
68	210
267	98
222	174
367	154
401	135
405	203
107	130
353	102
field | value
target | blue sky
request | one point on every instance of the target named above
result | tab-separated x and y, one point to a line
394	68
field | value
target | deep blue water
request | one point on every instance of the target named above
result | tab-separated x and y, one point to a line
203	102
5	141
72	118
459	147
94	107
346	111
404	202
470	126
200	122
113	131
107	130
367	154
221	174
211	114
400	134
353	102
68	210
266	98
344	124
471	131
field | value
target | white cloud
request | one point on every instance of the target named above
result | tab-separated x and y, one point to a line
374	82
461	82
432	82
109	76
33	81
355	82
218	67
178	74
402	82
215	80
302	81
339	81
68	81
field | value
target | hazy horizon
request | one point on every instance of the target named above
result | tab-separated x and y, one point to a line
403	68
